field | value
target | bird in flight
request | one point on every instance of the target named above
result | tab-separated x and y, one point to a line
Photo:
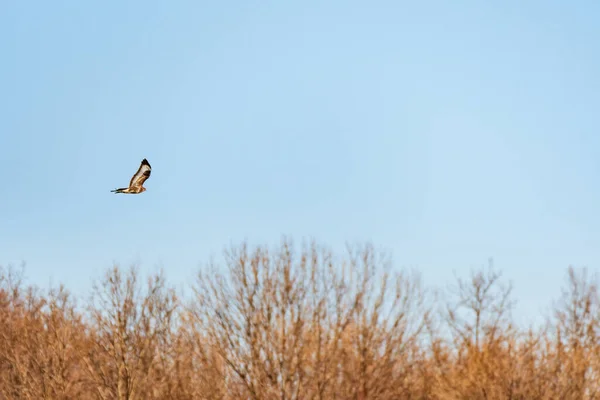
137	180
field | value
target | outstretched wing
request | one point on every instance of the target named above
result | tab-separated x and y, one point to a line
141	175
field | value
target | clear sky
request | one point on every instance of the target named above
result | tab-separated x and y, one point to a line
445	132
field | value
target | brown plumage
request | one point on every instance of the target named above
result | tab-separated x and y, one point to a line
137	180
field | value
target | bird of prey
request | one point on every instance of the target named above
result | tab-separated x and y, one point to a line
137	180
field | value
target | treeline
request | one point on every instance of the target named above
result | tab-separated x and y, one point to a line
295	323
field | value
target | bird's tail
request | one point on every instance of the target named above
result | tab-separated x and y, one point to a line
120	190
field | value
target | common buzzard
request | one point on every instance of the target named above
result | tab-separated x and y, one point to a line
135	185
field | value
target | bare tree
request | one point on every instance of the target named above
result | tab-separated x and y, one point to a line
40	337
290	326
127	329
482	339
577	338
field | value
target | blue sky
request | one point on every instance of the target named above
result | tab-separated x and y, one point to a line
444	132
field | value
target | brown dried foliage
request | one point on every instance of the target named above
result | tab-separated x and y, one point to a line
295	324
